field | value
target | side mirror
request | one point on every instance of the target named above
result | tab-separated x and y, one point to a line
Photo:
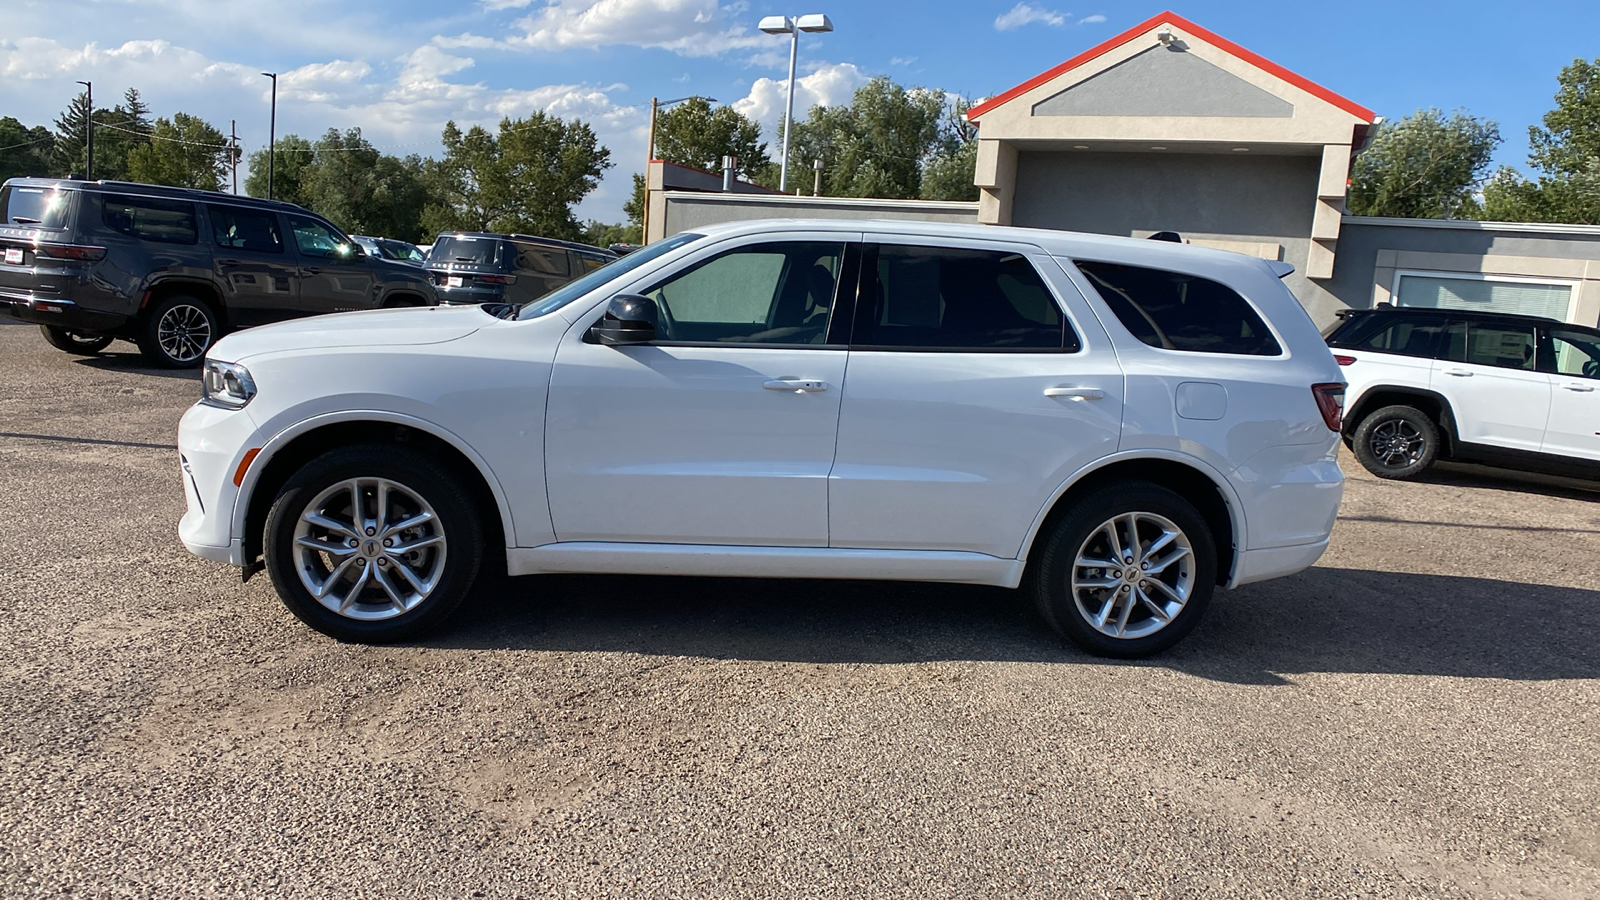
629	319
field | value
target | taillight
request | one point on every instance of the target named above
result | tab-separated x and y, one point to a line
1330	400
1344	360
70	251
497	279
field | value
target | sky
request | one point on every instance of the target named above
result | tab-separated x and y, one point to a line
399	69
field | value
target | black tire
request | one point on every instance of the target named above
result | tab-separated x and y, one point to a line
75	341
177	332
1081	533
404	301
1396	442
452	572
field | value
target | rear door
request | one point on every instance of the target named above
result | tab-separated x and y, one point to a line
540	269
259	275
1497	395
1573	364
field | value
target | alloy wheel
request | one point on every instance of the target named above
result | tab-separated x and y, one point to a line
184	333
1133	575
1396	443
369	548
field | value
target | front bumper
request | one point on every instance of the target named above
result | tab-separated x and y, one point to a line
212	445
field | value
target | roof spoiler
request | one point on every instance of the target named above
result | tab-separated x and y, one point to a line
1280	268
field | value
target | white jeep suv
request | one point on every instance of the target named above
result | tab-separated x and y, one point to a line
1121	425
1508	390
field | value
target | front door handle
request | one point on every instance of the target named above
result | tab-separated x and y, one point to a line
1459	373
1580	388
796	385
311	270
1075	393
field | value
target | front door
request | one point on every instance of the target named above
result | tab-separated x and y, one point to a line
1574	366
1496	393
721	431
975	389
258	273
332	277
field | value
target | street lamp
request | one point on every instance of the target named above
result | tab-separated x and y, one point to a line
88	128
272	131
655	105
815	23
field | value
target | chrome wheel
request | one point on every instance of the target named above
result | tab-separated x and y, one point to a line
369	549
1133	575
184	333
1396	443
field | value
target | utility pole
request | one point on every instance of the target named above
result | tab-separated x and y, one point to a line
88	128
233	151
816	183
650	155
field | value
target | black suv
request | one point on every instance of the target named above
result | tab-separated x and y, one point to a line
172	268
476	267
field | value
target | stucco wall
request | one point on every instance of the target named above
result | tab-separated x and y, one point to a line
687	211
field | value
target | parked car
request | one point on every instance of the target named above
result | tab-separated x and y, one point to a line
391	249
1508	390
477	267
172	268
1119	425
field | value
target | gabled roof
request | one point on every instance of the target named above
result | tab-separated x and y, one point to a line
1171	18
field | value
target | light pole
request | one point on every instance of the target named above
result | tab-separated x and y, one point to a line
88	130
816	23
272	131
650	157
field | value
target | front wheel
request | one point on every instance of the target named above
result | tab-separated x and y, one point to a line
373	543
75	341
1396	442
177	332
1127	572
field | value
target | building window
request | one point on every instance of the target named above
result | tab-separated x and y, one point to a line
1480	293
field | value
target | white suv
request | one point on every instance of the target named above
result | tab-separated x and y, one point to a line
1429	384
1122	425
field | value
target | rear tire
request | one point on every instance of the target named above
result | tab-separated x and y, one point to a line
75	341
177	332
1157	571
1396	442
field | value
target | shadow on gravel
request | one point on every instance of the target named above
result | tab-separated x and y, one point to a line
1322	620
133	362
1471	475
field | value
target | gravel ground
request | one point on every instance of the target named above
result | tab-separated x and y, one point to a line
1416	716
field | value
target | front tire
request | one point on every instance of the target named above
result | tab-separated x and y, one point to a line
75	341
373	543
1127	572
1397	442
177	332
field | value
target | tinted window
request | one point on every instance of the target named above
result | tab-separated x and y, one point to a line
544	260
35	207
1502	346
572	290
1575	353
149	219
1176	311
239	228
1391	333
951	299
588	262
470	250
778	293
316	239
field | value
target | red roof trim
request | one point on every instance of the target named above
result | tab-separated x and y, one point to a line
1171	18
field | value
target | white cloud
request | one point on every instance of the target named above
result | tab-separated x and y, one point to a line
685	27
321	82
902	60
829	85
1026	14
1095	19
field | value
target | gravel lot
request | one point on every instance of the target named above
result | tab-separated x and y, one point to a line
1416	716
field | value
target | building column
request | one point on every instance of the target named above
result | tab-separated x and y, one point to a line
996	178
1333	184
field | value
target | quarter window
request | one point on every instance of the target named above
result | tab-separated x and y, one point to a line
149	219
942	298
778	293
1176	311
237	228
544	260
1404	335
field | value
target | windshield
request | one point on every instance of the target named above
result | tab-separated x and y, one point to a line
610	271
34	206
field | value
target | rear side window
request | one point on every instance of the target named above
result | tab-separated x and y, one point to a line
35	207
588	262
150	219
1502	346
544	260
1176	311
240	228
1391	333
474	251
942	298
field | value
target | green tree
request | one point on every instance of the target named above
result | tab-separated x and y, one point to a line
24	151
1426	166
118	131
1566	154
361	190
876	146
634	208
694	134
71	152
949	173
294	155
184	151
526	178
600	234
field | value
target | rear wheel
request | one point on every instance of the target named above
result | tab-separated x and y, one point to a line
1396	442
1128	572
177	332
77	342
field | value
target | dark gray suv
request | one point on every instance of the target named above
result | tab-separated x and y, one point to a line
172	268
478	267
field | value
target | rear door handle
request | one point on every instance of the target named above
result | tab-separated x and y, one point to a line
311	270
1075	393
796	385
1459	373
1580	388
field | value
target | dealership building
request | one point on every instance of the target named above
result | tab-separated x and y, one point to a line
1169	127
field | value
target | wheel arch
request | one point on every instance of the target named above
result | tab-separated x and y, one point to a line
1430	403
291	448
1188	477
203	291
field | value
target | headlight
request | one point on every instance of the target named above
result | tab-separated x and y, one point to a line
227	385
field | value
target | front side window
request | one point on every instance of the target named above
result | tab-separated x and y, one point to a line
1405	335
943	298
778	293
150	219
544	260
1501	346
1177	311
316	239
1575	353
239	228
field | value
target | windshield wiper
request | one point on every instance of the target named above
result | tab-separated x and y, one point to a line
498	310
24	220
